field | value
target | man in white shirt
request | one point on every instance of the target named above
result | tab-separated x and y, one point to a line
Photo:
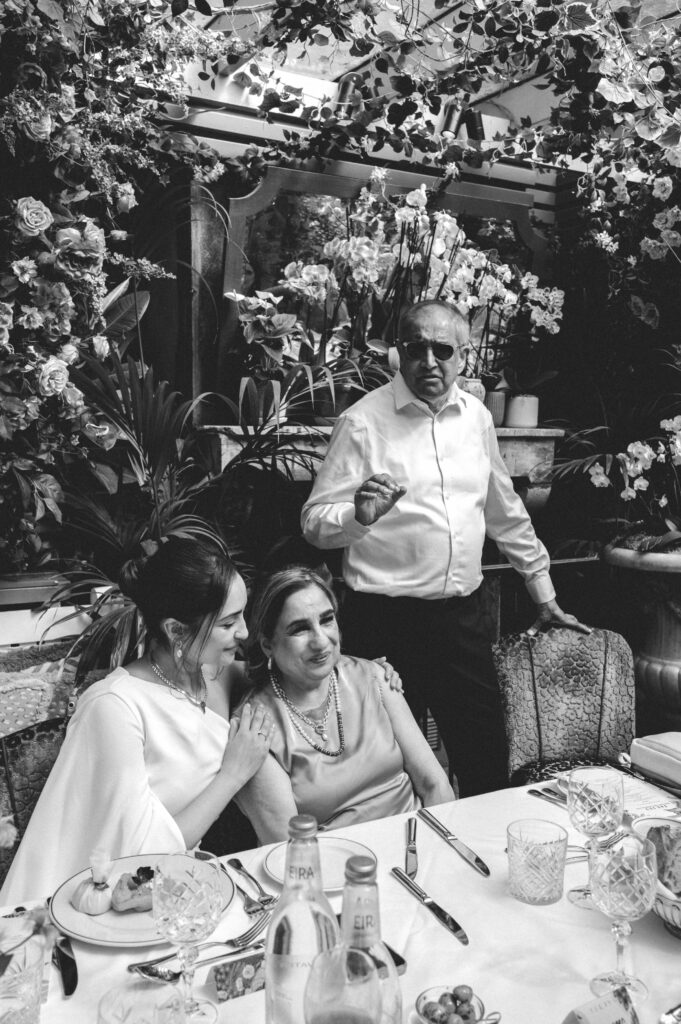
411	482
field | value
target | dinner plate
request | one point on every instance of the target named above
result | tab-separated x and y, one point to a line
333	853
111	928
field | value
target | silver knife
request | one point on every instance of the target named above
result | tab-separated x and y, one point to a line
411	860
443	917
65	962
456	844
64	958
544	794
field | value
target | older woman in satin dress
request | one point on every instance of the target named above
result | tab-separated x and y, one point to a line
346	747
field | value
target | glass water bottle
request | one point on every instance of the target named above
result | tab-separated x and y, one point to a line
361	929
302	925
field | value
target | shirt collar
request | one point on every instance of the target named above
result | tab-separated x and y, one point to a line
404	396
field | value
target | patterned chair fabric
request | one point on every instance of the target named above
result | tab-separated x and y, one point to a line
27	759
32	688
568	699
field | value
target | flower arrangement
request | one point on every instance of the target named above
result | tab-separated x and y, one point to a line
648	474
81	139
396	250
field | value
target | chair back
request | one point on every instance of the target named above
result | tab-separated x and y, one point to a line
27	757
566	696
37	682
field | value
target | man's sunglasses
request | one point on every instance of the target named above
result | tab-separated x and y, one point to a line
417	350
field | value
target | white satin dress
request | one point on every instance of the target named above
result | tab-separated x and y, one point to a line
135	754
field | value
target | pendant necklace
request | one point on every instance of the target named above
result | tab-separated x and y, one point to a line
294	713
198	702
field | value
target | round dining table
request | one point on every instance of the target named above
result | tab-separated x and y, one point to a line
531	963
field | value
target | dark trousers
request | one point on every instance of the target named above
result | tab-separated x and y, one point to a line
445	661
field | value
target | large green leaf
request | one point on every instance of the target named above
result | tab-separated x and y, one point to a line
125	313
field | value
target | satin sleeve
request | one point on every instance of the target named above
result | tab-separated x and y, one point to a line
97	795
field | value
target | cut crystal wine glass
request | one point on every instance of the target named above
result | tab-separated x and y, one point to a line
595	803
188	898
623	881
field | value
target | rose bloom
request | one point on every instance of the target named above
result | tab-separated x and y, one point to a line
5	315
32	408
125	198
73	399
53	295
100	346
40	128
31	318
662	188
25	270
67	103
80	251
32	217
53	376
670	237
69	353
14	412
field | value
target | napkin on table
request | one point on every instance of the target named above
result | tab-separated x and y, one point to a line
659	756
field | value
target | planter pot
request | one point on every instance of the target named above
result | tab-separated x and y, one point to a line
522	411
658	660
496	403
327	410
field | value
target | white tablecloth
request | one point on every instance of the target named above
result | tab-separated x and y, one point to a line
531	963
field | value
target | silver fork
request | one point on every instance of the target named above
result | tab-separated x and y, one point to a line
266	899
239	942
604	844
251	906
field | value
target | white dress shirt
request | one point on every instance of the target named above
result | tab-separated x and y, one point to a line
430	543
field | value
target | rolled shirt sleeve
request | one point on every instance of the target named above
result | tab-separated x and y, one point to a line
328	517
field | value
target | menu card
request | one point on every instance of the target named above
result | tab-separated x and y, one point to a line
642	799
614	1008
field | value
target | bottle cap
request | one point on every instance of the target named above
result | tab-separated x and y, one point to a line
302	826
360	869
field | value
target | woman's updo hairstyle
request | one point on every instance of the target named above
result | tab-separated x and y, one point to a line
185	579
268	603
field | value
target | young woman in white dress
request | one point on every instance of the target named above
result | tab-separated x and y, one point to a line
150	759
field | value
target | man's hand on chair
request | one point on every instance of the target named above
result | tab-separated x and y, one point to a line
550	614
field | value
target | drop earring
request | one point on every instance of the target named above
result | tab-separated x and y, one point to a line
178	653
269	664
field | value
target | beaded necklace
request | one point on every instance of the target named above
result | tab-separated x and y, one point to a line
295	713
198	702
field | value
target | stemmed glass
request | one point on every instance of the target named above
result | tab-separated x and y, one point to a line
595	804
187	901
623	885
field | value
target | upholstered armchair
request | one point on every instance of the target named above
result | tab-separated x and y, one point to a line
568	699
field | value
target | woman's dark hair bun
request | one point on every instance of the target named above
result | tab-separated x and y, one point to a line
130	576
181	578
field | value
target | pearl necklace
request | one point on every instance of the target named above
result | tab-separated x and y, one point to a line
319	727
198	702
